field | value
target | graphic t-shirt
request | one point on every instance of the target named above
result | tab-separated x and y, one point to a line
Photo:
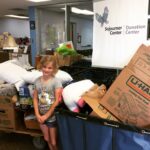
46	95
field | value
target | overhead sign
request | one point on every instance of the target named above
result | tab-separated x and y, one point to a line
120	27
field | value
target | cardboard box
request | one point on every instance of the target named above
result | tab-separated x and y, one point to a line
93	98
7	117
140	62
128	98
31	122
6	100
98	109
66	60
7	112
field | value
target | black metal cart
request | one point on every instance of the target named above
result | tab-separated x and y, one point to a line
81	132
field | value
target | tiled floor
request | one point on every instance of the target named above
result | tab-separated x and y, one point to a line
14	141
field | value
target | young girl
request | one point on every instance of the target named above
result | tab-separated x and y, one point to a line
47	95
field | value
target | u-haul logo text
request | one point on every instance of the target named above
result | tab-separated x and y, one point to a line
139	86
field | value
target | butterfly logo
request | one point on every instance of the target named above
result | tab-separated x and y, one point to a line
102	18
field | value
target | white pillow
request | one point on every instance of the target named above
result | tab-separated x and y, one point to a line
63	76
72	93
11	73
17	62
30	77
10	61
19	84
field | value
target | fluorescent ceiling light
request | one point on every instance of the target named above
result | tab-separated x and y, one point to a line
80	11
38	1
17	16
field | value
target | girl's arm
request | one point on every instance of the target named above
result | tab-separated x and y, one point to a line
35	104
58	94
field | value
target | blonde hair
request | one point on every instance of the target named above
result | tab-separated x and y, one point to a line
49	59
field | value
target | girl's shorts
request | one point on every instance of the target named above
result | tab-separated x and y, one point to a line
51	124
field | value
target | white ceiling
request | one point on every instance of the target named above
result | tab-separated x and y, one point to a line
21	6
